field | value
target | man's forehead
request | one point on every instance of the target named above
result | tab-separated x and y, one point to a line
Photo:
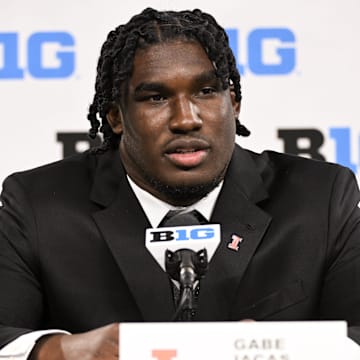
150	66
169	44
169	54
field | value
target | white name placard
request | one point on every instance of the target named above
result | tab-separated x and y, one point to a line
233	341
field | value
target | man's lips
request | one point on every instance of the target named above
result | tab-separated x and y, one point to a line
187	153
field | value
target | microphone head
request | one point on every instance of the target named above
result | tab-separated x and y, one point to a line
176	263
195	237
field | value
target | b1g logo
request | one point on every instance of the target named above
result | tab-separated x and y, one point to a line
194	237
309	142
47	55
183	233
265	51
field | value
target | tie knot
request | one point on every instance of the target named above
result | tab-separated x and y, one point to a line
180	218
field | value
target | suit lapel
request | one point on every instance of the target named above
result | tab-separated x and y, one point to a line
238	214
123	225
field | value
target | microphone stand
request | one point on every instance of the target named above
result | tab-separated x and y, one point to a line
186	266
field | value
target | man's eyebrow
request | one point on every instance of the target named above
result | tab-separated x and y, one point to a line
206	76
149	86
159	86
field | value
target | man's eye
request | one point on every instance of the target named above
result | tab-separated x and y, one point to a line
207	91
157	98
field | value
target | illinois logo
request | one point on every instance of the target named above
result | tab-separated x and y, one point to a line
165	354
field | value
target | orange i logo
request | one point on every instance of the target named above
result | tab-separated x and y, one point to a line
167	354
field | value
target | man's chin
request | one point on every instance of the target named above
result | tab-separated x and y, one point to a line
184	195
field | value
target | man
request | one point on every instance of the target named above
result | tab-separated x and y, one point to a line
72	254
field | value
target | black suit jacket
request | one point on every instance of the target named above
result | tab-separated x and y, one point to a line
72	252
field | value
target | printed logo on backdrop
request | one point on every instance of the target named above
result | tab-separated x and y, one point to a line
40	55
309	142
51	55
303	142
264	51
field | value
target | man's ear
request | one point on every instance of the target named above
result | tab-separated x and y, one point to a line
235	104
115	119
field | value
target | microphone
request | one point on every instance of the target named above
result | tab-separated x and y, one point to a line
184	253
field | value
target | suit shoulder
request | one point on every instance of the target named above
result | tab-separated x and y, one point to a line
288	162
58	170
298	174
70	175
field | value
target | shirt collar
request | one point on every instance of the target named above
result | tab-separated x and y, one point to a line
155	209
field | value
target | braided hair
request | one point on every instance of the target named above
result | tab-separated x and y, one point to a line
145	29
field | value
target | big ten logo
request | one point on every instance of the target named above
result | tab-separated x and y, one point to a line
308	142
42	55
168	354
76	142
264	51
200	232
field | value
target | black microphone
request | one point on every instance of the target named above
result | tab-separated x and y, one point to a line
184	252
186	266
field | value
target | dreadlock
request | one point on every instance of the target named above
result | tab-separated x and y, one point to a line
145	29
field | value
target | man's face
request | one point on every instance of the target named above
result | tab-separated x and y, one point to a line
177	124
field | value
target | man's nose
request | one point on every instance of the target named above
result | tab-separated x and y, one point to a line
185	116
